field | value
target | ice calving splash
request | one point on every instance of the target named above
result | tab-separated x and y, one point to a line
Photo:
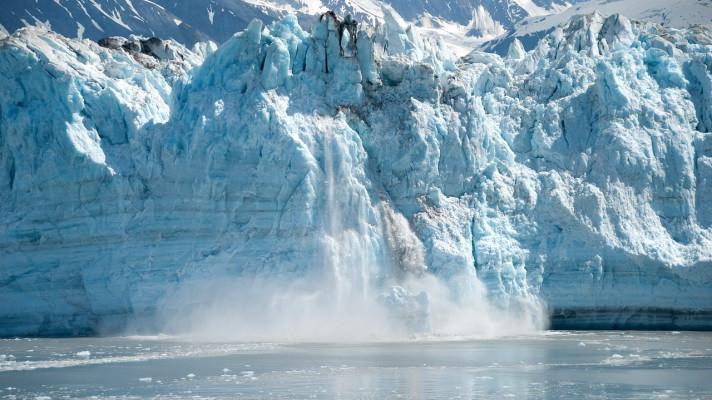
366	276
367	279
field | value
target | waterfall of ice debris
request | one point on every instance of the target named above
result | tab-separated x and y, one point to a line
355	182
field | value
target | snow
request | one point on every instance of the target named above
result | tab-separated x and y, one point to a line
80	31
115	16
532	9
312	185
211	14
133	9
675	13
671	13
461	26
59	3
483	24
160	18
154	4
516	50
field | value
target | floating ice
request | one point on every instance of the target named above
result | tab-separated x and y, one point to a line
84	354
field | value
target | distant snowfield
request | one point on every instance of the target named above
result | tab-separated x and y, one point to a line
672	13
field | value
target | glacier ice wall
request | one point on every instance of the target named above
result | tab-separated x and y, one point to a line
352	169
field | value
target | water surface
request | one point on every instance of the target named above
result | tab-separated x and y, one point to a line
557	364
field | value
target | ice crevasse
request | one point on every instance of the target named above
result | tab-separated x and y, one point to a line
357	168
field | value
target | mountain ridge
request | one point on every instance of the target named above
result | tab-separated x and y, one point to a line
217	20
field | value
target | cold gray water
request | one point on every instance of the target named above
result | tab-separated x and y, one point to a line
594	365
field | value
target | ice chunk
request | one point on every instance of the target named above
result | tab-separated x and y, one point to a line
84	354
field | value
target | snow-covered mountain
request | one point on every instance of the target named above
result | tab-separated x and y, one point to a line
345	179
463	25
216	20
670	13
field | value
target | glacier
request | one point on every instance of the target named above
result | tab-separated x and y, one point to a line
356	176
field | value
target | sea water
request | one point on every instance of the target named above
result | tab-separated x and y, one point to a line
554	364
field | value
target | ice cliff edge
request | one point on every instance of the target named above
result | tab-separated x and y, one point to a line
361	163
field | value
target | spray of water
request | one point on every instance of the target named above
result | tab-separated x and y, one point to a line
370	282
347	251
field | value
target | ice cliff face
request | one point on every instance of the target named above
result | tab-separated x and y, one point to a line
361	166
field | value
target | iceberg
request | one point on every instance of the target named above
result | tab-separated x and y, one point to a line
356	178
